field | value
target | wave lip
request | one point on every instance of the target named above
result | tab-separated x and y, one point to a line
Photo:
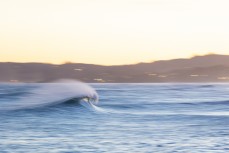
52	94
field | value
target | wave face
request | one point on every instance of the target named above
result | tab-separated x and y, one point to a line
29	96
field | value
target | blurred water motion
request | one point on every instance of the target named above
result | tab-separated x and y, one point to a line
128	118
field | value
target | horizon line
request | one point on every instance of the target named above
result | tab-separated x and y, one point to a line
69	62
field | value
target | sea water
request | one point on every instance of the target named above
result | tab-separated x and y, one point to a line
133	118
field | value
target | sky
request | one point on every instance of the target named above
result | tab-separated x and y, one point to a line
111	32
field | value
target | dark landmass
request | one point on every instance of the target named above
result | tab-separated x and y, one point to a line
208	68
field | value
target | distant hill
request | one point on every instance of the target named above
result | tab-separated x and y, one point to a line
209	68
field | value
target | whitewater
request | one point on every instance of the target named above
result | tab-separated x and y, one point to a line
70	116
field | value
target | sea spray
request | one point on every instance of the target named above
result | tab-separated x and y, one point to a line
46	94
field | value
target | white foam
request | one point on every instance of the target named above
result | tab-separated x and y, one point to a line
52	93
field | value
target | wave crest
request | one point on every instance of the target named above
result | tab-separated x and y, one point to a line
40	95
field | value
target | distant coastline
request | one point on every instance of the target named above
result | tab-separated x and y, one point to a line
208	68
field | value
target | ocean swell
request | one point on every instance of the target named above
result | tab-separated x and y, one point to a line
28	96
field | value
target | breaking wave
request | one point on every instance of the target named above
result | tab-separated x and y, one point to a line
29	96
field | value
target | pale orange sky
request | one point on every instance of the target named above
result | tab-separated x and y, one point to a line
111	32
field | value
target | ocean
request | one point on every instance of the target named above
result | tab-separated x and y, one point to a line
128	118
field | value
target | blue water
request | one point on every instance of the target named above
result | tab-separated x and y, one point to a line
134	118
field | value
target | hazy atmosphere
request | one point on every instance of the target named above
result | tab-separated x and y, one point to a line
111	32
114	76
